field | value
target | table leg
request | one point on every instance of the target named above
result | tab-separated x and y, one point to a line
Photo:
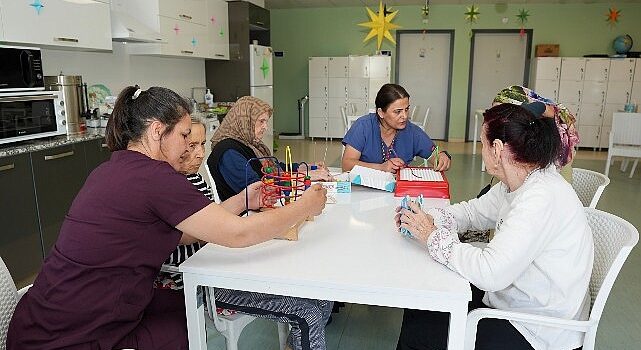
195	316
456	334
476	130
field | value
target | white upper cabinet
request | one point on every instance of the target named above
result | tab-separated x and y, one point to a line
338	67
637	70
596	69
548	68
217	24
547	88
572	68
318	67
622	69
380	67
359	66
57	23
190	28
570	91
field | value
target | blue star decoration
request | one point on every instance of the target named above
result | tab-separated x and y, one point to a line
265	67
194	41
37	5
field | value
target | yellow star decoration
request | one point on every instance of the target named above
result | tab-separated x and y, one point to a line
380	25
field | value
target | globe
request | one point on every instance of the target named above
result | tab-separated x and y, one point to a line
622	44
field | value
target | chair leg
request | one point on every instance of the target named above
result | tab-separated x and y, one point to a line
624	164
232	337
607	164
634	167
283	332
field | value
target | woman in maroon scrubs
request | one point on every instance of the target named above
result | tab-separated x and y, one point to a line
95	289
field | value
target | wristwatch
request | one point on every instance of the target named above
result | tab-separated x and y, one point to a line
447	154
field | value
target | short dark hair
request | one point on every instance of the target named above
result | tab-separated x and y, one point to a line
132	115
532	140
389	93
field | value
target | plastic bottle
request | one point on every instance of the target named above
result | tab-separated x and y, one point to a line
209	99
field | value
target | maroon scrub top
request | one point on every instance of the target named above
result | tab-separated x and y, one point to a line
98	278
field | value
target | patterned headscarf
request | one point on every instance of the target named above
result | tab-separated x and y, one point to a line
240	122
565	121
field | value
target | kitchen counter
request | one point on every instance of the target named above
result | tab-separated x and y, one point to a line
16	148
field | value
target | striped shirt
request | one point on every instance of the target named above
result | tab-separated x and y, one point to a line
183	251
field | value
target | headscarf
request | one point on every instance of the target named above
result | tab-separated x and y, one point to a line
565	121
240	122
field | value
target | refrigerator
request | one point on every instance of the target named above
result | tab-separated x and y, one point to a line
261	83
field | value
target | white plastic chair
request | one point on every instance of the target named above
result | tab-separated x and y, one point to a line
625	138
426	118
588	185
614	238
229	326
9	298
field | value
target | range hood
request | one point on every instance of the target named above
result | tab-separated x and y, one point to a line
125	28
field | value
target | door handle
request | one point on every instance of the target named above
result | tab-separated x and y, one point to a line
187	52
7	167
59	155
187	17
67	40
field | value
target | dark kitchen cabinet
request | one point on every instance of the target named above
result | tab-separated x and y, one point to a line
58	175
20	246
229	80
96	152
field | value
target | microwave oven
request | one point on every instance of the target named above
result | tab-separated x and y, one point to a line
30	115
21	69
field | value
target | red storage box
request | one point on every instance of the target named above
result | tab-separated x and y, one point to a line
429	189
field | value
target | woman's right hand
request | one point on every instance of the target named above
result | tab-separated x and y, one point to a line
392	165
314	199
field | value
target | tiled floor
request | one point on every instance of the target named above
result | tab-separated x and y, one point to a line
369	327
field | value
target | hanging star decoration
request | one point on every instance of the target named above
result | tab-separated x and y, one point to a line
472	14
522	17
37	5
380	25
265	67
425	10
613	16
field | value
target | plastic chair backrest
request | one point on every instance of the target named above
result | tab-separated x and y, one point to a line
588	185
8	302
626	129
212	183
614	239
426	119
344	116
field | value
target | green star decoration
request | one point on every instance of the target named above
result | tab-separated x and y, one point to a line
472	14
425	10
265	67
523	15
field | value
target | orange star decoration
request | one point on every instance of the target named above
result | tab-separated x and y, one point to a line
380	24
613	16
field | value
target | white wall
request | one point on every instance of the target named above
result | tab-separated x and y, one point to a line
117	69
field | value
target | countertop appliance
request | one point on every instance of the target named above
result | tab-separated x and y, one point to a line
73	98
21	69
30	114
261	82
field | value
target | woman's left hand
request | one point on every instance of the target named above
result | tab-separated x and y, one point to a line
320	174
443	162
419	223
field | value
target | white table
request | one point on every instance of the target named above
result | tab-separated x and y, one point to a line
351	253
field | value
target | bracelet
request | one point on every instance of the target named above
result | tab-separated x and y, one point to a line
447	154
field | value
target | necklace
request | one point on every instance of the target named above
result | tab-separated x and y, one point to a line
387	152
530	173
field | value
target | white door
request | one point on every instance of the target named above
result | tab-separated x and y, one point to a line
637	70
619	92
572	68
547	88
596	69
338	88
593	92
359	66
622	69
318	87
570	91
548	68
499	61
591	114
318	67
337	67
380	66
424	68
260	62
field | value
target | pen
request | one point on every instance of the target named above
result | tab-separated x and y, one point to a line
395	155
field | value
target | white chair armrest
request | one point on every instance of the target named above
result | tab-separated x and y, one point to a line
23	290
476	315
